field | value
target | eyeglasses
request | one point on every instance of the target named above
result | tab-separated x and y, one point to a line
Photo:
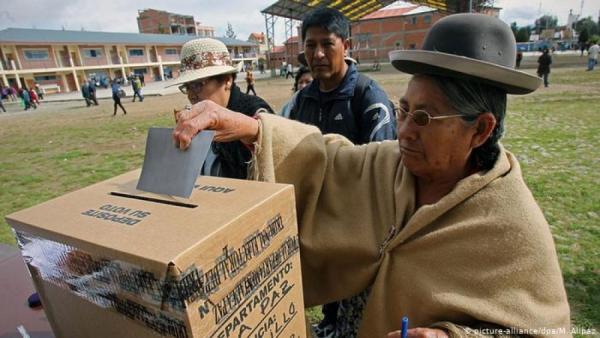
420	117
191	86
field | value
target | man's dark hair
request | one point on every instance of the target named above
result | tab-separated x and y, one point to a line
471	98
329	19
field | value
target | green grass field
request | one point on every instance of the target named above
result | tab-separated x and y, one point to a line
556	136
554	132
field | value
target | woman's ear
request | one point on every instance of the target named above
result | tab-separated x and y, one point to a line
485	125
229	83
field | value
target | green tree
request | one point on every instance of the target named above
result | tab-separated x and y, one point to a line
230	33
545	22
523	34
514	28
584	35
587	24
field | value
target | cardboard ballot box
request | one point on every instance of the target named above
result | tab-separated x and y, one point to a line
113	261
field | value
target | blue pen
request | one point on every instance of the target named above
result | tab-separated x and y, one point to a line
404	327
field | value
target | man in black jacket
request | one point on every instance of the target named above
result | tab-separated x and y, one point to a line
340	100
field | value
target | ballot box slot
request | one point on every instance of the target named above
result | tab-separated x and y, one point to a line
154	200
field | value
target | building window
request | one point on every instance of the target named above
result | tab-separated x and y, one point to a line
92	53
136	52
171	51
427	19
413	20
36	54
363	40
140	71
41	78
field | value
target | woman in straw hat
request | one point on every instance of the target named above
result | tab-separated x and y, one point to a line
208	74
440	223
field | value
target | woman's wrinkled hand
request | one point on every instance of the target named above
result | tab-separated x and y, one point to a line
420	332
207	115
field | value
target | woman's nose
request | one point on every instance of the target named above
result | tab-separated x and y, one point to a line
406	129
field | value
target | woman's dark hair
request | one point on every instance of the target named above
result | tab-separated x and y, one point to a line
224	77
329	19
303	70
471	98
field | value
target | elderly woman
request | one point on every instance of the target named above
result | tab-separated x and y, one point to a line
208	74
440	223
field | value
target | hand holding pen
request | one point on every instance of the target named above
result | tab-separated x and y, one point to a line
419	332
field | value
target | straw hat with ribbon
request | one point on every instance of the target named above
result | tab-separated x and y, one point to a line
203	58
469	46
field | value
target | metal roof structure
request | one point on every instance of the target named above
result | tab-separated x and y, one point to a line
394	12
354	10
37	36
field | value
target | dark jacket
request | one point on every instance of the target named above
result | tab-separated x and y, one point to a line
361	120
85	90
234	156
544	62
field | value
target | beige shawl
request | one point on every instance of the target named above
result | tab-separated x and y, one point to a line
483	256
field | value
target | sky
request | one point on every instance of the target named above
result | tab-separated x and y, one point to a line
244	15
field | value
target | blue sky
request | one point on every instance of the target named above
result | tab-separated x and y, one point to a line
120	16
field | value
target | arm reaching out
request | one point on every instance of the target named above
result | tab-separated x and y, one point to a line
228	125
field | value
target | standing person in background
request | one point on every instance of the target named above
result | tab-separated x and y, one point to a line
132	78
340	100
4	92
85	92
519	59
250	82
593	55
116	96
24	94
13	93
302	79
290	70
34	98
2	96
544	62
282	70
137	88
92	91
39	91
376	66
